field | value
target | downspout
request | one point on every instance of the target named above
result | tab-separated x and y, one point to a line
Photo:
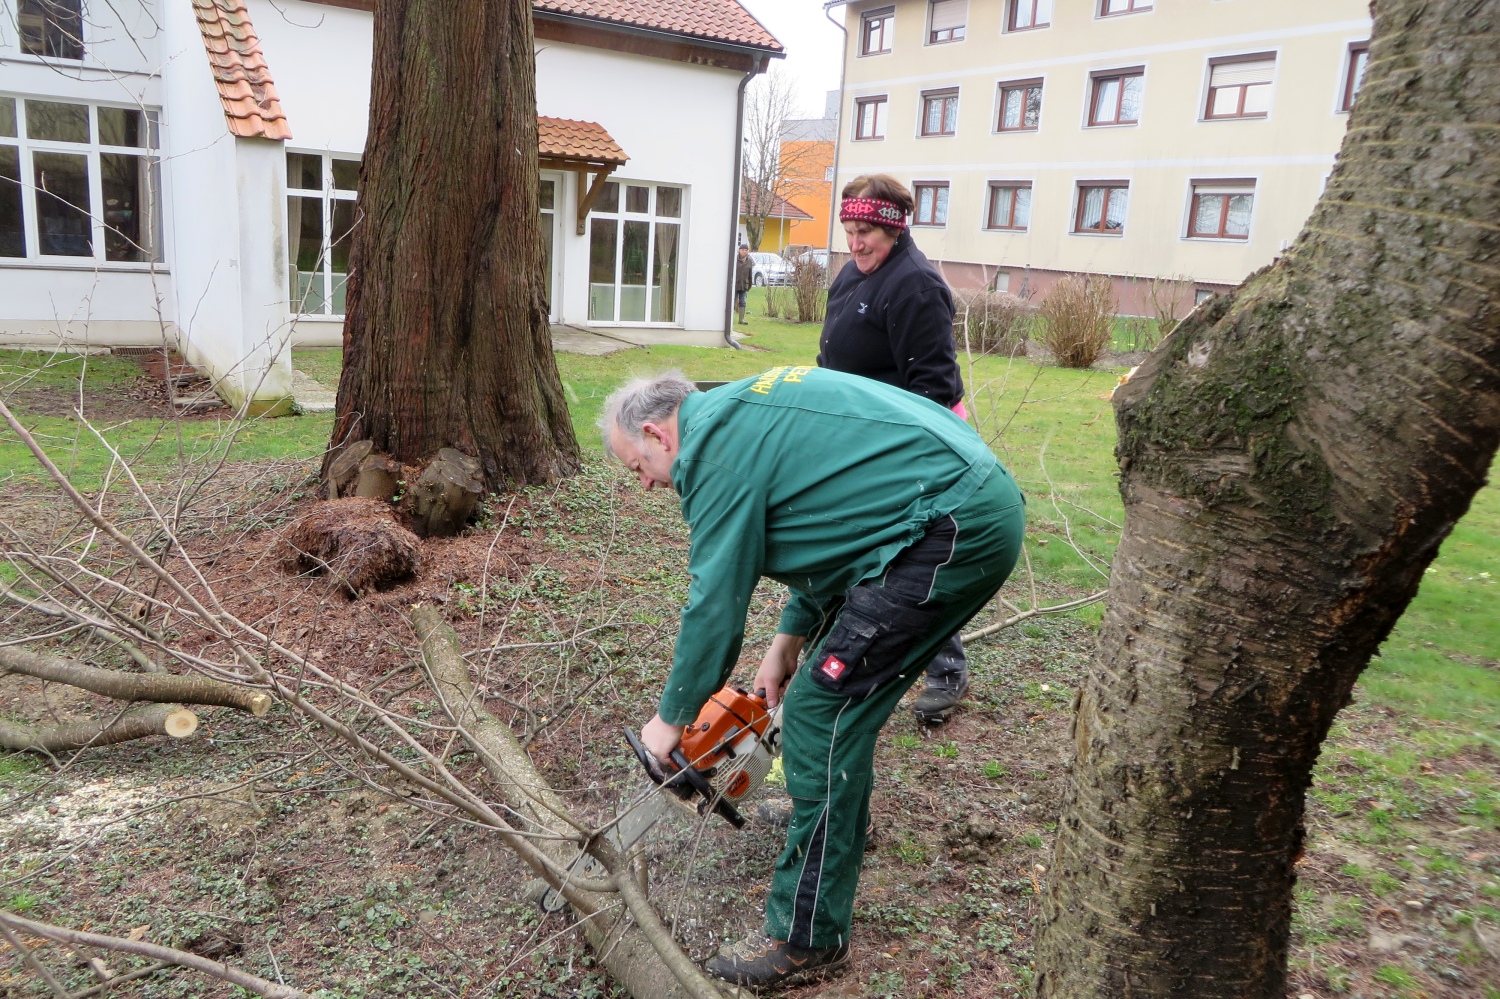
757	65
838	135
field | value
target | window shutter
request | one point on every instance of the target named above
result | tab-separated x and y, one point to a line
1238	74
948	14
1224	186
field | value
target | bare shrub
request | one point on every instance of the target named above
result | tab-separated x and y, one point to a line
1167	297
992	322
1077	320
808	290
781	303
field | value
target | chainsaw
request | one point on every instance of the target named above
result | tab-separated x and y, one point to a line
722	760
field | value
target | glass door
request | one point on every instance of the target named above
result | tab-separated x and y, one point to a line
547	203
635	235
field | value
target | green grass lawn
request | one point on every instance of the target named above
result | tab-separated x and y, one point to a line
1053	428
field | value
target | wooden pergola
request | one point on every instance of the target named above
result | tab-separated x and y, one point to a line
582	148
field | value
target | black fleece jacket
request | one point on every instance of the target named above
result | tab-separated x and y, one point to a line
894	325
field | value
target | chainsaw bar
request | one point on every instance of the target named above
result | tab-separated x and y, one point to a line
724	758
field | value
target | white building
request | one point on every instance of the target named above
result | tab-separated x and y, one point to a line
185	170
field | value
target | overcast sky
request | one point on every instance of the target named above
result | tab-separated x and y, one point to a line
813	46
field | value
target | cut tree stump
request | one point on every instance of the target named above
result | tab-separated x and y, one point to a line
378	478
345	467
446	494
356	540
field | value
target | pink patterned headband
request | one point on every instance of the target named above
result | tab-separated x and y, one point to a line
872	210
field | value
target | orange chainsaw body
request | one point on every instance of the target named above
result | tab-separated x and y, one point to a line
725	720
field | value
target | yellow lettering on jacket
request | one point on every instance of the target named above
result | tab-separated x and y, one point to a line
795	374
764	382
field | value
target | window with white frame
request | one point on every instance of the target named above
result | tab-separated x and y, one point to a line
932	204
946	20
78	181
320	193
1240	87
1221	209
1010	205
635	239
52	29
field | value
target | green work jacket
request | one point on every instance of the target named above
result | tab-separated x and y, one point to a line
812	477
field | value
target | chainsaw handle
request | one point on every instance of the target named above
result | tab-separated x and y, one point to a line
684	781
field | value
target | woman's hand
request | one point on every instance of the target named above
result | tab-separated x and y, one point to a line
778	666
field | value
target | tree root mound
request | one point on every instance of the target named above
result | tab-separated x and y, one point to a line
356	540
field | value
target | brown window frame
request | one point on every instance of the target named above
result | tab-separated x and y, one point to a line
945	95
1243	88
1097	80
953	34
989	215
1024	86
1354	81
1224	189
859	117
1012	7
916	195
1109	186
884	18
1132	7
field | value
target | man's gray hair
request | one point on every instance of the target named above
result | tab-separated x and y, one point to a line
642	401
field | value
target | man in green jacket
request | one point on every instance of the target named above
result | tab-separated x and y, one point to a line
891	522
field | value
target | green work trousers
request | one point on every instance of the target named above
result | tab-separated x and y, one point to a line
876	642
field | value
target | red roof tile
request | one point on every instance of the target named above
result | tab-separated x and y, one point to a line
560	138
716	20
239	67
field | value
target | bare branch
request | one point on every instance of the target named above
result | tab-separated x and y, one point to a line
217	969
157	687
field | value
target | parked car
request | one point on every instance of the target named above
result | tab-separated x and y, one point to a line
819	257
768	268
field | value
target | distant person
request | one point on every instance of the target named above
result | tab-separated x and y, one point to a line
890	318
744	277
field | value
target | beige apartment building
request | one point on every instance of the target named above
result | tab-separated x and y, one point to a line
1132	138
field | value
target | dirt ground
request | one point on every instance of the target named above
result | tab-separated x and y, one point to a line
261	843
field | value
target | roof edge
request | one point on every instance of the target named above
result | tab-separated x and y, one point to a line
659	33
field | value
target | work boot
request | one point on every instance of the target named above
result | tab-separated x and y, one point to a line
937	701
759	962
742	319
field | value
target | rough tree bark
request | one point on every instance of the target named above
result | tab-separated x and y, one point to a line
446	341
1291	459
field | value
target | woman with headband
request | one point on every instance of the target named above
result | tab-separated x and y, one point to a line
890	317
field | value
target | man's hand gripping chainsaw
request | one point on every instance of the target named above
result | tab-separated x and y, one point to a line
722	760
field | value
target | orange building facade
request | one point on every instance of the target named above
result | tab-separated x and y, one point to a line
807	153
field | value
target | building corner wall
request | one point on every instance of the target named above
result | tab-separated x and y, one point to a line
230	305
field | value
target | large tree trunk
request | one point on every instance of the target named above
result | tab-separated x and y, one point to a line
1291	459
446	341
